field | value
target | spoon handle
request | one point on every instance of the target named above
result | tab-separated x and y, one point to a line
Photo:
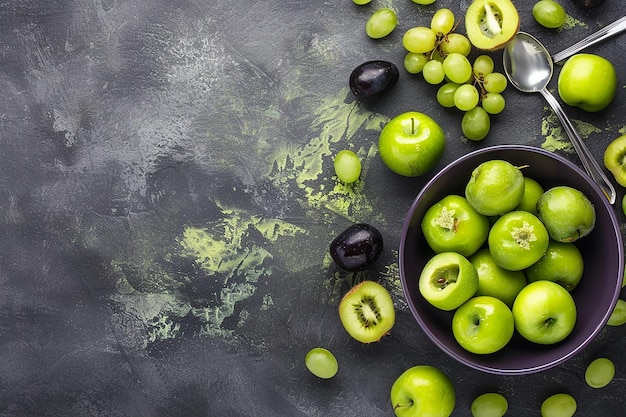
607	31
586	157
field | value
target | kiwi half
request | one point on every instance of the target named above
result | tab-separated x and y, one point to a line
367	312
490	24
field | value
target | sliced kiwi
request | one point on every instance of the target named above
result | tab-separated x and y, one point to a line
490	24
367	312
615	159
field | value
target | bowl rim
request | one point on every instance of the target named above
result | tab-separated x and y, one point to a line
408	221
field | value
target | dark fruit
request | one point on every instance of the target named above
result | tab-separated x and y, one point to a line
588	4
367	312
373	78
357	247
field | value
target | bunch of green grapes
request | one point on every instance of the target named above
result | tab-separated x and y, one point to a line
441	56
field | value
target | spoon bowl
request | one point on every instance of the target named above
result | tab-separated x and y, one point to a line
529	68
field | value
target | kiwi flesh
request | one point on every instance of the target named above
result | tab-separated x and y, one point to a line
490	24
367	312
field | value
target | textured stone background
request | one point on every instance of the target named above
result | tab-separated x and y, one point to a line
167	199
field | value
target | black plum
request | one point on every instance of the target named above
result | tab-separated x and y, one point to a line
588	4
357	247
373	78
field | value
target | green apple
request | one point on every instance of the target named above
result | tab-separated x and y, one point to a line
495	187
567	213
423	390
452	225
495	281
587	81
483	325
411	144
544	312
532	191
562	263
448	280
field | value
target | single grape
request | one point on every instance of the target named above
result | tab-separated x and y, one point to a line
558	405
414	63
424	1
321	362
457	68
618	316
442	21
549	13
490	404
433	72
476	124
381	23
455	42
466	97
495	82
445	94
483	65
347	166
493	103
420	40
361	2
599	373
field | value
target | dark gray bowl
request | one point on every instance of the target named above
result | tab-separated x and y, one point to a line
595	296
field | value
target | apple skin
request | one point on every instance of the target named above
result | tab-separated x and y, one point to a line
544	312
587	81
483	325
411	144
423	390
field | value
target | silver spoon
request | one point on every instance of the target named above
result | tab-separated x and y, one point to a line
529	68
609	30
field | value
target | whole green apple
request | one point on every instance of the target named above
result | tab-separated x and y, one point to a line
587	81
483	325
567	213
423	390
544	312
495	281
411	144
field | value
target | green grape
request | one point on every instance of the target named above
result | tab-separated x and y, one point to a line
549	13
476	124
490	404
433	72
483	65
599	373
361	2
381	23
618	316
558	405
457	68
414	63
442	21
321	362
424	1
455	42
445	94
493	103
466	97
420	40
347	166
495	82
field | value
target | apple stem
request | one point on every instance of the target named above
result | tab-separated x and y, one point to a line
399	405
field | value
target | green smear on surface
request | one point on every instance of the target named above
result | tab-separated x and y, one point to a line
336	126
571	22
555	138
